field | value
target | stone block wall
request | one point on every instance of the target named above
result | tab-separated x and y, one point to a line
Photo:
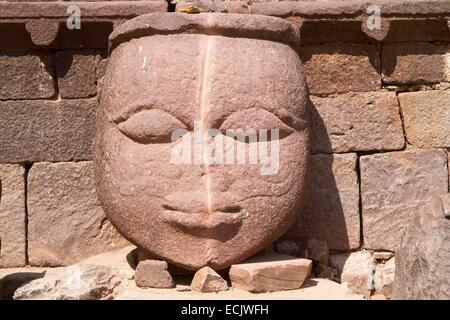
380	119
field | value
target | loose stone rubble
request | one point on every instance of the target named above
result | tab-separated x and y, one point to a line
207	280
356	270
272	272
77	282
384	278
153	274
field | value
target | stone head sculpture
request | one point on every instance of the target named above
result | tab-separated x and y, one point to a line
170	176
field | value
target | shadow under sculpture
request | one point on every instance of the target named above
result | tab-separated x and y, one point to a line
202	76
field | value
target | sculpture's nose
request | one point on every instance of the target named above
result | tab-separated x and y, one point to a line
197	202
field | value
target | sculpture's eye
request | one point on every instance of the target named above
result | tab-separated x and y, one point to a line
150	126
256	121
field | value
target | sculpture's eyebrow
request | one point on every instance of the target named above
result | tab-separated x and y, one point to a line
284	115
126	112
134	108
288	118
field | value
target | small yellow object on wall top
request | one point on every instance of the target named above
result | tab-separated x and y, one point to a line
190	9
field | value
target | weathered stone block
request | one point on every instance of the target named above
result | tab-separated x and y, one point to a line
334	69
65	220
273	272
392	186
237	6
12	215
76	72
92	34
43	31
25	76
34	131
422	270
153	274
418	30
332	31
356	270
384	278
14	36
207	280
331	211
78	282
414	63
426	116
356	122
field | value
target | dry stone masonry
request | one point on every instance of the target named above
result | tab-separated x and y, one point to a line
65	220
379	142
12	215
393	185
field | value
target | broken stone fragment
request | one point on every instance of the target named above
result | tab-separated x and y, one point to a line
153	274
13	278
274	272
77	282
356	270
207	280
384	278
42	31
182	288
141	255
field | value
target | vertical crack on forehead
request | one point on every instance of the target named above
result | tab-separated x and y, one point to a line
203	105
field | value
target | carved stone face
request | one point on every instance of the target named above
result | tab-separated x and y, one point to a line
161	79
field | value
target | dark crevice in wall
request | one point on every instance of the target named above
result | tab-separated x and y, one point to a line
380	67
171	7
55	75
373	152
405	88
403	121
27	170
448	168
361	229
360	153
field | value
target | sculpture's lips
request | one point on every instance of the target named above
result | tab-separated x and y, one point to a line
208	220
